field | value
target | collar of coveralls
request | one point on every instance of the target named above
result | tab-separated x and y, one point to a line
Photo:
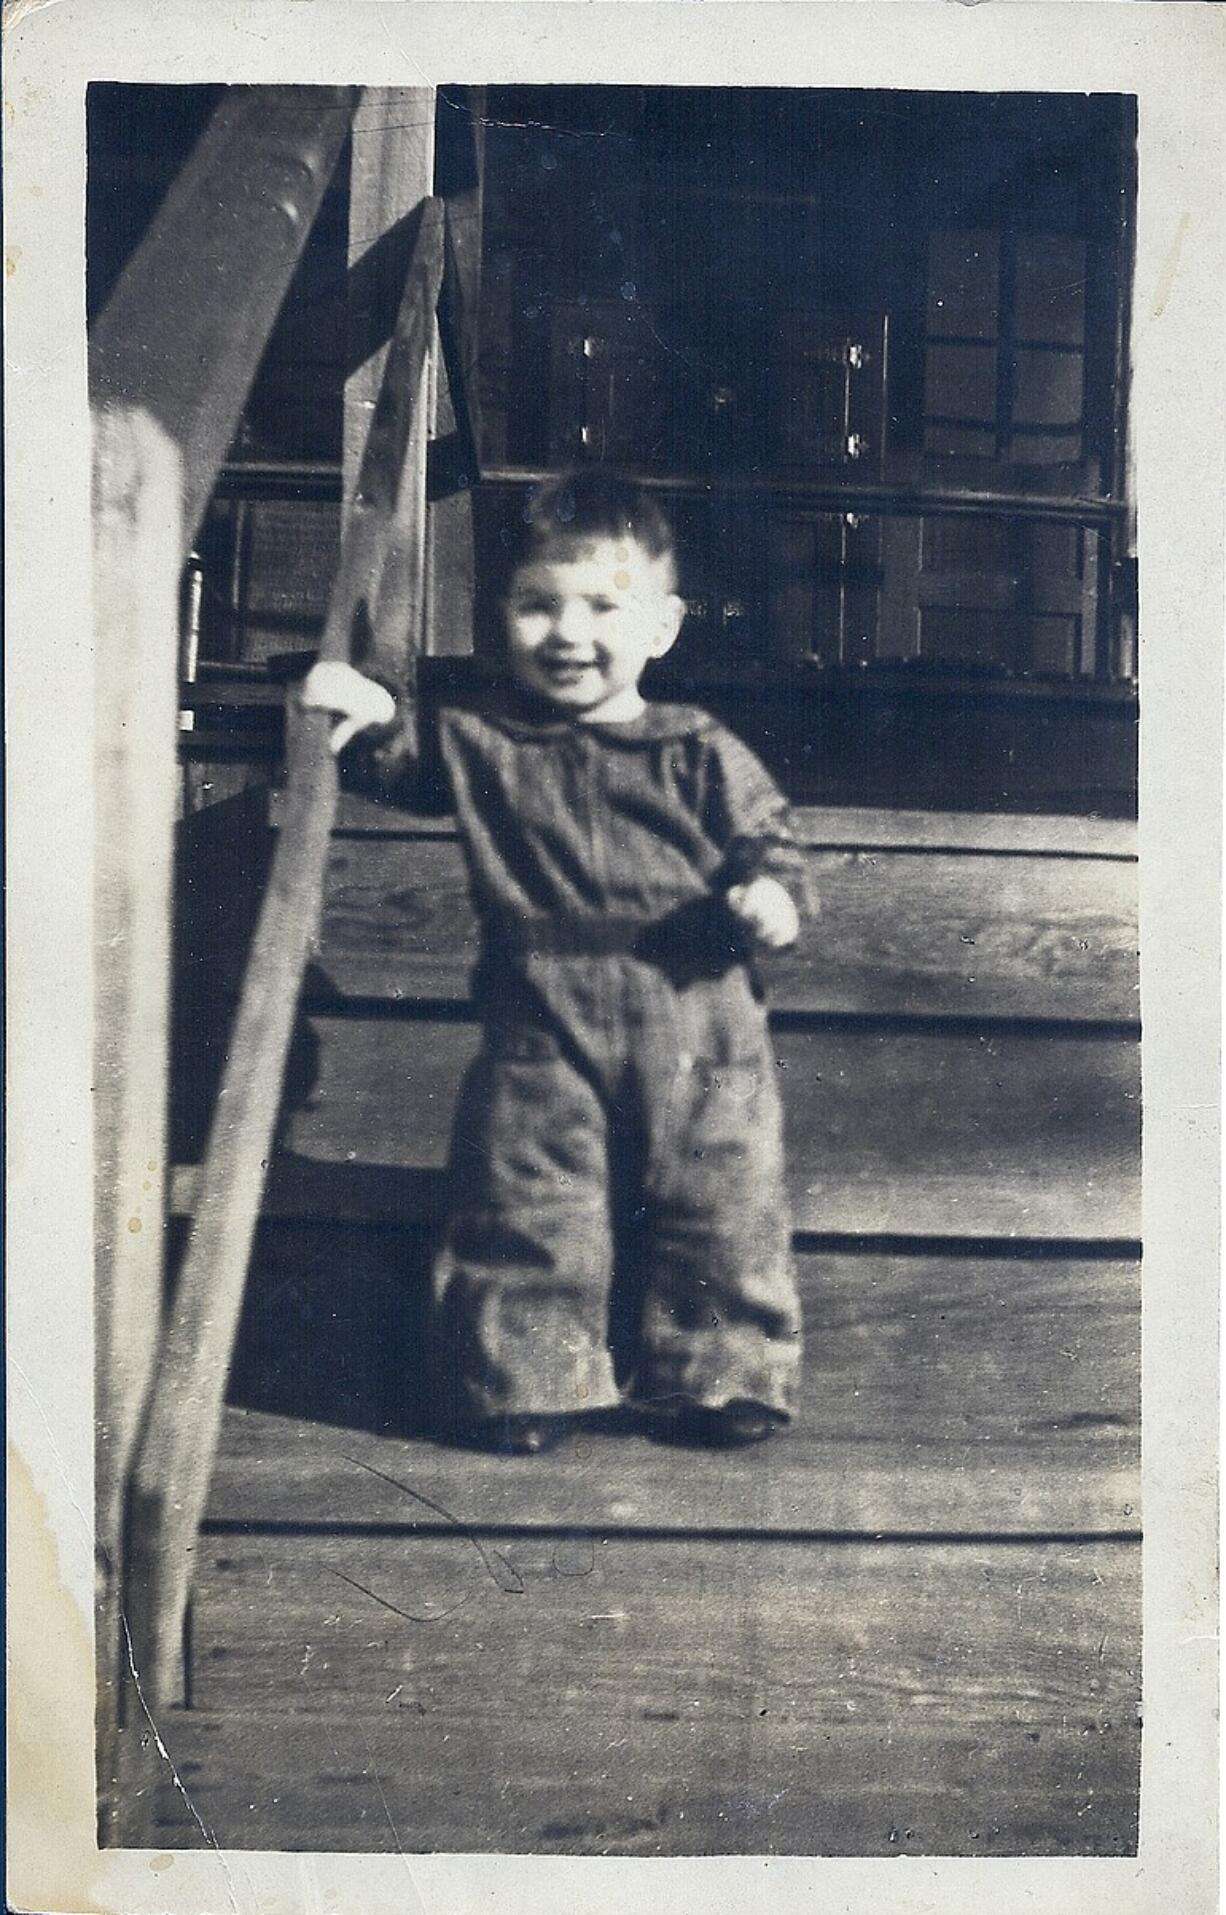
523	715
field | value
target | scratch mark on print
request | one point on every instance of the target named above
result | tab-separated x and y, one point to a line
391	1823
166	1756
383	1602
502	1573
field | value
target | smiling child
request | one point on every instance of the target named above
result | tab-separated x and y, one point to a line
617	1151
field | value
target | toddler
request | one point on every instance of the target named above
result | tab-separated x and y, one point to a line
626	861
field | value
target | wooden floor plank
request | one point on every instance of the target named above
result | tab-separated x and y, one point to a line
939	1394
620	1698
387	1786
890	1132
899	933
857	826
303	1473
907	927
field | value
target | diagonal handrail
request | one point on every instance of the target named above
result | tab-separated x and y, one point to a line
175	1459
182	333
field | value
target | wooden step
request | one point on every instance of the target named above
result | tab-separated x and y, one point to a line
958	1395
1051	834
900	932
894	1131
593	1696
923	914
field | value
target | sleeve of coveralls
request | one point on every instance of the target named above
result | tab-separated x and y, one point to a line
752	821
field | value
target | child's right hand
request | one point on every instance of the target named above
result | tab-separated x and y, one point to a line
359	702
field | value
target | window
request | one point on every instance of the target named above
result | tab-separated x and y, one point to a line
869	346
1004	365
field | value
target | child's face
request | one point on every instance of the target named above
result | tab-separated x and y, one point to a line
584	620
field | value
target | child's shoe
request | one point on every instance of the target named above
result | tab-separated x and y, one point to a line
732	1426
520	1435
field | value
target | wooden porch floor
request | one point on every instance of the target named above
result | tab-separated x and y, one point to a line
909	1625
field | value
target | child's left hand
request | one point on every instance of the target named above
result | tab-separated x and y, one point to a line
764	908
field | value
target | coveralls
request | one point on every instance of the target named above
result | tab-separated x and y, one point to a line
623	1115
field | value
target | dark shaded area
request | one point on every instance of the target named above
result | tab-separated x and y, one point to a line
333	1319
334	1328
223	855
712	209
905	746
137	140
714	247
899	742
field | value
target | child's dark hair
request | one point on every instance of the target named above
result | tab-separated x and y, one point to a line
595	502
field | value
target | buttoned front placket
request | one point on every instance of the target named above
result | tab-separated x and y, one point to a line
589	756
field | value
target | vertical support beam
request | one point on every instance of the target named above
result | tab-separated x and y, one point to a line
391	175
138	531
459	176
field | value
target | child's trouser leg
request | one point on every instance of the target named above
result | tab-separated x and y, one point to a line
522	1281
721	1316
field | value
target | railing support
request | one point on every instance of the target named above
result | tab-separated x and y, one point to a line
175	1462
138	517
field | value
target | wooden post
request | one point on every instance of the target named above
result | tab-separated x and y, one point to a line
138	522
456	450
391	176
172	358
175	1463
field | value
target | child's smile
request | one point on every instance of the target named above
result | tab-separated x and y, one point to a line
584	620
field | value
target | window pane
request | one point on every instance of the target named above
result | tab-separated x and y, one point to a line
965	545
1047	388
1050	291
971	638
963	284
960	384
1053	645
960	442
1056	548
1044	448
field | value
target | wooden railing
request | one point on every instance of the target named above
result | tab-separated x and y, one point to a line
172	358
175	1461
202	292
